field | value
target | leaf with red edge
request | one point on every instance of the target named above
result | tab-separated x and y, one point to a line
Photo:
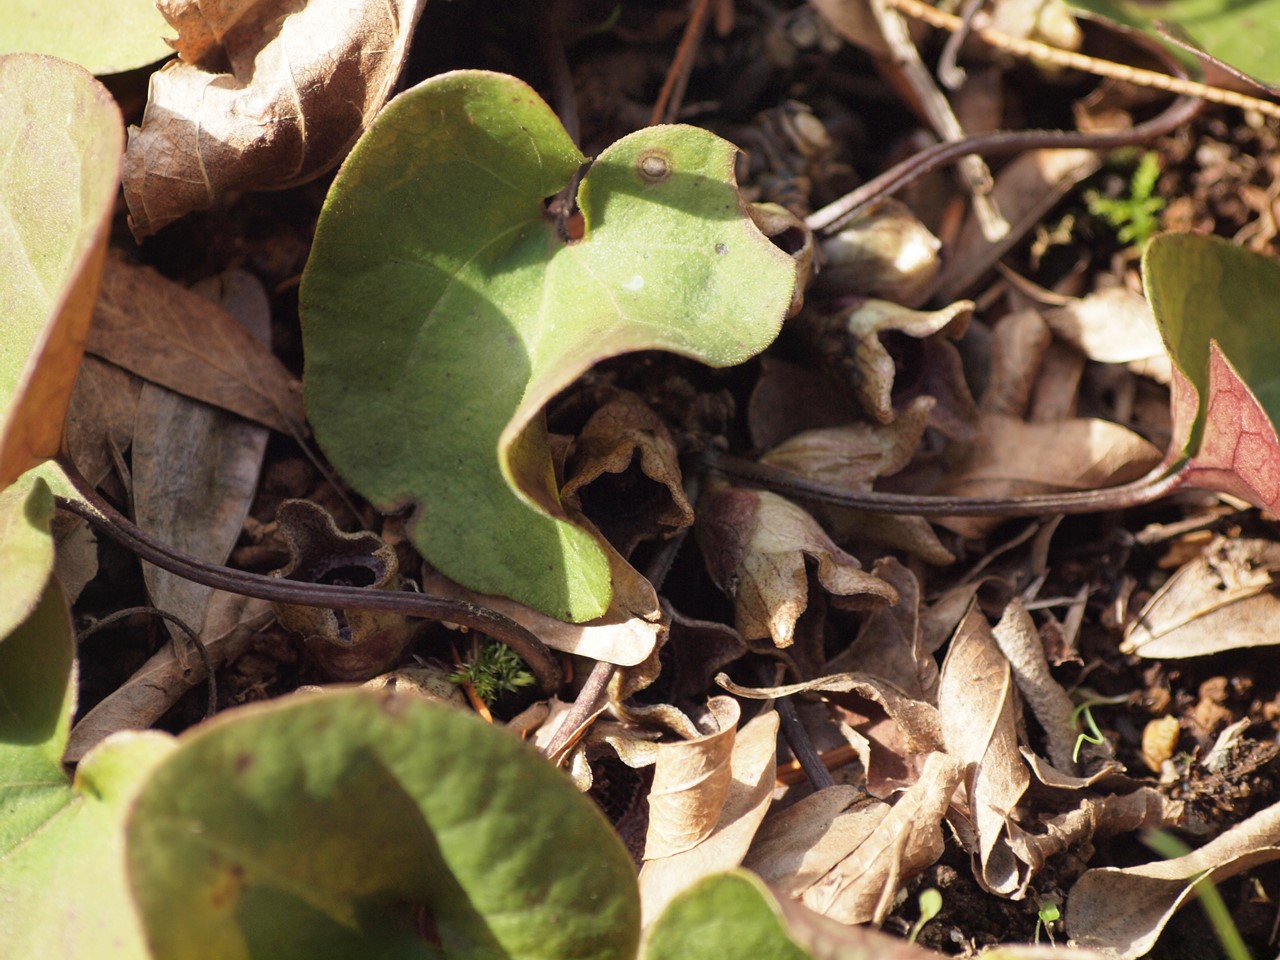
1218	307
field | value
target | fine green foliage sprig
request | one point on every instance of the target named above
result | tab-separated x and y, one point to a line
494	670
1135	217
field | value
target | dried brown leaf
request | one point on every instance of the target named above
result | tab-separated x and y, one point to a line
1018	344
753	766
885	252
1115	325
262	97
178	339
100	420
789	399
1124	910
1221	600
756	543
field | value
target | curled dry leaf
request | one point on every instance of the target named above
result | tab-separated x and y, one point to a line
850	340
752	768
976	705
885	252
690	782
1018	344
854	456
624	473
1221	600
1013	458
790	398
259	100
788	232
1122	911
756	543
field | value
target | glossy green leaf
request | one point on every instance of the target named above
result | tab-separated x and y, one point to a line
62	136
26	549
725	915
365	825
442	308
103	36
1242	35
62	882
1218	309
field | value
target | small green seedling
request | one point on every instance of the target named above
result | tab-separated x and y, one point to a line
930	901
1048	916
494	669
1084	712
1135	217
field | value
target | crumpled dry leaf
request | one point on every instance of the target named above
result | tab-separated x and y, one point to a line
853	456
263	96
1124	910
1013	458
976	702
100	421
1115	325
1221	600
1018	344
618	637
175	338
231	621
789	398
753	766
624	473
755	545
907	838
690	782
885	252
850	340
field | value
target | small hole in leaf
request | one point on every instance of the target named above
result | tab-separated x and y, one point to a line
790	241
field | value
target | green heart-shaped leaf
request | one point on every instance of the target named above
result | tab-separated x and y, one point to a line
443	307
105	36
359	824
62	135
62	882
725	915
26	549
1218	309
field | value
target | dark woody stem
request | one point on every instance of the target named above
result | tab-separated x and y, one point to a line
108	521
1159	483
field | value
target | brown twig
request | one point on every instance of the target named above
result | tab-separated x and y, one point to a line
671	96
107	520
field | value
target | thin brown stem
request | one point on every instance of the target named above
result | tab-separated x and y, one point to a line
1157	484
107	520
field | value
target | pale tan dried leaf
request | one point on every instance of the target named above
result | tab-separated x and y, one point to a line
1124	910
753	766
1019	641
230	624
854	21
1028	951
1115	325
195	472
979	726
1221	600
301	83
799	845
885	252
909	533
1018	345
619	637
178	339
1013	458
626	468
690	782
861	887
1057	389
1025	190
755	544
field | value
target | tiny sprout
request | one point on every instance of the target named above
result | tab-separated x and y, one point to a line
1046	917
930	901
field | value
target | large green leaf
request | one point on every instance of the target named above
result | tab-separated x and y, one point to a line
103	36
62	881
1242	35
1218	309
725	915
61	136
26	549
365	825
442	308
